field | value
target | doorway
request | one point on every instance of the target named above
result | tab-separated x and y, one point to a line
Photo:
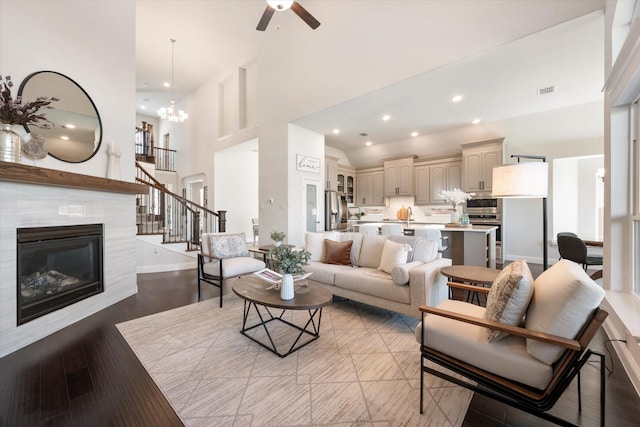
311	201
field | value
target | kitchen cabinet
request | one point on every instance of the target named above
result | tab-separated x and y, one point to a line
370	187
331	173
398	177
478	161
347	182
433	177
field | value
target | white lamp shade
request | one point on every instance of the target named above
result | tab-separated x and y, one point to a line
523	180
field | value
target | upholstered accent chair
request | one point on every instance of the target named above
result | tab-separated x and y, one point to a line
224	256
369	229
527	350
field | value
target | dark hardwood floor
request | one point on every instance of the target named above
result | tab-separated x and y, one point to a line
86	374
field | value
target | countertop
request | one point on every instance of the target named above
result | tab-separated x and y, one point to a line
413	225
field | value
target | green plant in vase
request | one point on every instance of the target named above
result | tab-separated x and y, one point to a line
277	237
289	261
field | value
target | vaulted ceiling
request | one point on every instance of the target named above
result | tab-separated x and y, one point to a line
402	58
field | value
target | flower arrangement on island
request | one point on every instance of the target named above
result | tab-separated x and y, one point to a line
455	197
15	112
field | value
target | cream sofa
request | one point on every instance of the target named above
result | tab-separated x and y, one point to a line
404	288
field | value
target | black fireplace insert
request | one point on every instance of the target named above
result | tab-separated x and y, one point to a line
57	266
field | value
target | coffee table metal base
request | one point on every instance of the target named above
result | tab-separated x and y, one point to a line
311	328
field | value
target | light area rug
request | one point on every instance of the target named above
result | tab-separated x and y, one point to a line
364	369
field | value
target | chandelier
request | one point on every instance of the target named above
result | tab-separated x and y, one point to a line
171	113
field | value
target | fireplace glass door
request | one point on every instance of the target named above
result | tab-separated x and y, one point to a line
57	266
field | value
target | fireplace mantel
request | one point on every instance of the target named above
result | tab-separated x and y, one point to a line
16	172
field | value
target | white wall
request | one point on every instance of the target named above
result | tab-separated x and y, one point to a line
522	225
236	191
77	39
303	141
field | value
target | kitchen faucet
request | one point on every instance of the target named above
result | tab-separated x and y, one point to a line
409	215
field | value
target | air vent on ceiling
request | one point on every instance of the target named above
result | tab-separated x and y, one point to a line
363	134
547	90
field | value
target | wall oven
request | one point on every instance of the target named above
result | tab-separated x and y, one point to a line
487	212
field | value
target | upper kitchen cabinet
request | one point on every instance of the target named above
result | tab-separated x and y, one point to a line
433	176
370	187
398	177
347	182
331	173
478	161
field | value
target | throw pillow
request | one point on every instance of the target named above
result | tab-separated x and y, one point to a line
400	273
509	297
393	254
337	252
314	243
228	245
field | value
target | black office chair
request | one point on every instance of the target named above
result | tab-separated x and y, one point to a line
572	247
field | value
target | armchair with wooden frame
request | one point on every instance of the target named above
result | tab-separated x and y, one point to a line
534	362
224	256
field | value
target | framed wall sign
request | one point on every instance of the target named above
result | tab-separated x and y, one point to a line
307	163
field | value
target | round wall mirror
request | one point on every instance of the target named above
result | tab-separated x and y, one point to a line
77	130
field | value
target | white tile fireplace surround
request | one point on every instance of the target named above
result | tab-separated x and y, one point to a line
33	205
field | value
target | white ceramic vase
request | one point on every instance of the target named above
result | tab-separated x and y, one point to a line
455	218
286	288
278	243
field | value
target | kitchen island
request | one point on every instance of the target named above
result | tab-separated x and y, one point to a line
468	245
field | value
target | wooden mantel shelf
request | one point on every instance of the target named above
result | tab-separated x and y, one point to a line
16	172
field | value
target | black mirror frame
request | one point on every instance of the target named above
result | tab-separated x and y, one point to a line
26	127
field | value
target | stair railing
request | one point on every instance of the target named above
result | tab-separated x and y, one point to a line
176	218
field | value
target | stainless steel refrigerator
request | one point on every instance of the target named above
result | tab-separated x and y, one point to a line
335	208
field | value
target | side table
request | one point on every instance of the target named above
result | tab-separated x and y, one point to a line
471	274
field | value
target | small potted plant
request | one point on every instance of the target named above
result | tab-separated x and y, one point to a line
277	237
289	261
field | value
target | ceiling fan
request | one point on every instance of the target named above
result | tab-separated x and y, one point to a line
281	5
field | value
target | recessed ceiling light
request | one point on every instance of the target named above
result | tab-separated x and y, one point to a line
336	131
142	107
386	117
145	99
64	137
69	126
414	134
368	143
456	98
476	121
166	84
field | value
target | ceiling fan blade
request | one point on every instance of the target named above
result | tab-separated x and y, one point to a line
306	16
266	17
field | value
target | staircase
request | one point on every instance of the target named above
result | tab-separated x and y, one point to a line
177	219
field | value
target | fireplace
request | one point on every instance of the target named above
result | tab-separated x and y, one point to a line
57	266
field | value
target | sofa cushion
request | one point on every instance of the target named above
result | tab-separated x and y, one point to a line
409	240
507	358
371	251
564	297
325	273
337	252
371	281
509	297
356	247
393	254
425	250
400	273
314	242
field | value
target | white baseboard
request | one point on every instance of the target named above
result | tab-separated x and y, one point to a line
624	354
166	267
